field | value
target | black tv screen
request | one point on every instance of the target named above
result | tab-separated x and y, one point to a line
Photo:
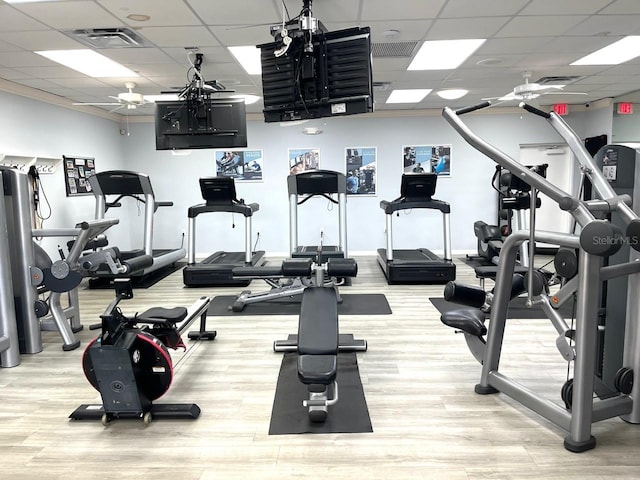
201	123
335	79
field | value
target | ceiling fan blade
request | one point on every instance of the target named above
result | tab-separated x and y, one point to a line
95	103
565	93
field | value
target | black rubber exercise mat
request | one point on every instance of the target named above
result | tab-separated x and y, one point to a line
517	308
352	304
349	415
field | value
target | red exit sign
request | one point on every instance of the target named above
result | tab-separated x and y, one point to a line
561	108
625	108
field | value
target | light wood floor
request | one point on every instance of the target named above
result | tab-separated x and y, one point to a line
418	378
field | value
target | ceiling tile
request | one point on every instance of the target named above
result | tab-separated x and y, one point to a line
11	20
179	36
8	47
24	59
262	12
564	7
625	7
40	40
50	72
409	30
613	26
137	55
485	8
536	26
456	28
79	82
172	12
12	74
400	9
66	15
332	10
235	35
211	55
498	46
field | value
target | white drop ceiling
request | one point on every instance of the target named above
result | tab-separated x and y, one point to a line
538	36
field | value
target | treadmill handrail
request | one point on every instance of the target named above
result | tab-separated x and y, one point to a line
244	209
408	204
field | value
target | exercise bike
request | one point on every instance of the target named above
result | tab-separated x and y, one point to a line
129	362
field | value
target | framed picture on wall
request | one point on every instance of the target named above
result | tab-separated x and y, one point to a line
301	159
242	165
427	158
77	171
361	170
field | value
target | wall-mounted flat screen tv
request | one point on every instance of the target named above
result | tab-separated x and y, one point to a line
201	123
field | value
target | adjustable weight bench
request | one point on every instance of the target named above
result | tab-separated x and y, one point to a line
318	349
318	340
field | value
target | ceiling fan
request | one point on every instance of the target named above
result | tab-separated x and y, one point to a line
530	91
129	99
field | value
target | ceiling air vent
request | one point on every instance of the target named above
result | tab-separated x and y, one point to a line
108	38
395	49
563	79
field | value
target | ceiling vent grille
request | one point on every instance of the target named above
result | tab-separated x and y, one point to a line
108	38
392	50
381	86
564	79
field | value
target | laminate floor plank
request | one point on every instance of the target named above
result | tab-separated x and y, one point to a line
418	378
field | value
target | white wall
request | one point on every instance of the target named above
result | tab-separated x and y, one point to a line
468	189
33	128
36	128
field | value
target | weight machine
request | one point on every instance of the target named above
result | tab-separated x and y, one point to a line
598	239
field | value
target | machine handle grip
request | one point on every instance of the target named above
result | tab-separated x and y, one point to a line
473	108
164	204
534	110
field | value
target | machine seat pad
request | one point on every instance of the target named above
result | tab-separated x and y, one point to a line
171	315
468	320
318	322
317	369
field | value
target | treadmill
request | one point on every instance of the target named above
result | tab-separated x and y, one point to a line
322	183
418	266
122	183
219	194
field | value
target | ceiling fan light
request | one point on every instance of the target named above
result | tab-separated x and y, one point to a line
452	93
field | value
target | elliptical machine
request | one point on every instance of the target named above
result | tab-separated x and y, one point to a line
129	362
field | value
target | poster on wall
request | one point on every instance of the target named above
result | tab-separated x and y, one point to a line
77	171
427	159
301	159
361	170
242	165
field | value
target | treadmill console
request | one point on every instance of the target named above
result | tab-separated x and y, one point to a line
216	190
418	186
317	182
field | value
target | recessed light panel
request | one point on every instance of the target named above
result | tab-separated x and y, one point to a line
414	95
614	54
444	54
88	62
249	58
